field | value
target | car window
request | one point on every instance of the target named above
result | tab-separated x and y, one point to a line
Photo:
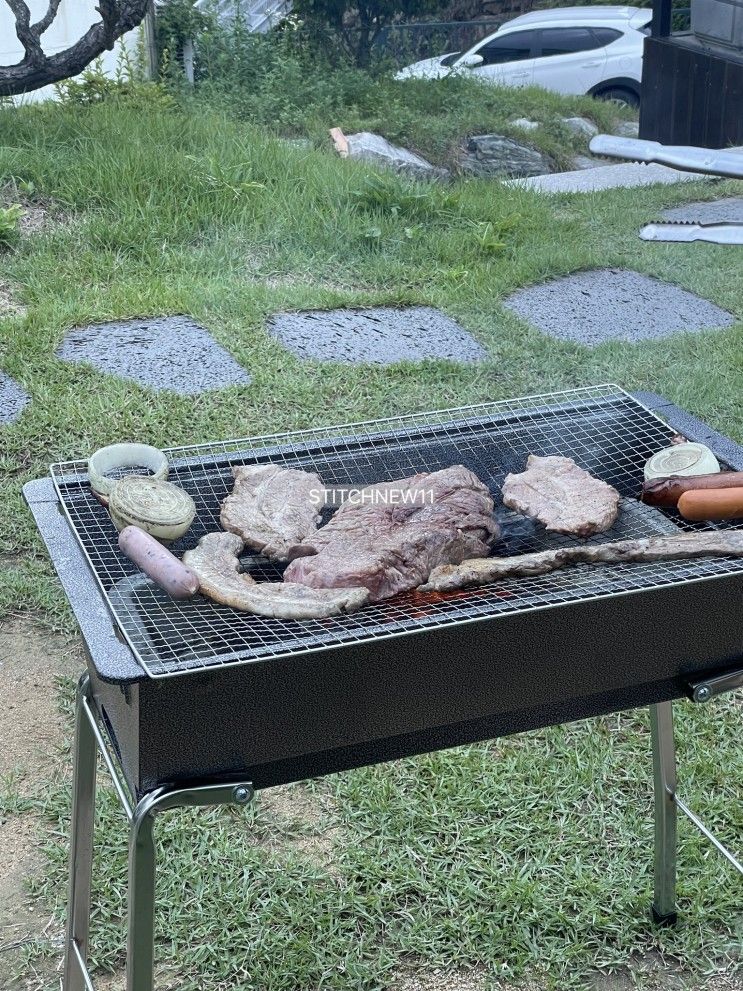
606	36
512	47
448	60
563	41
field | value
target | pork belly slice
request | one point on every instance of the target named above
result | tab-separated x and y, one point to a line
215	562
391	546
561	495
677	547
275	510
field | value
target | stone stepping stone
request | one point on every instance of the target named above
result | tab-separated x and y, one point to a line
173	354
13	399
614	305
380	335
714	212
626	175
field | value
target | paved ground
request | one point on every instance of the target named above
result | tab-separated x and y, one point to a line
614	304
382	335
710	212
625	176
160	353
13	399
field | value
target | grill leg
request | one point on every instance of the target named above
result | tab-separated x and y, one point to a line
81	844
664	777
140	955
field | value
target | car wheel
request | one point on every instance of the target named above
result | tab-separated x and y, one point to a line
622	97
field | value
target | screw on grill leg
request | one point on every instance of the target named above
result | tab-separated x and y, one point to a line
81	844
242	794
664	776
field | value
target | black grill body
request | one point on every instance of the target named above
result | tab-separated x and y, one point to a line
290	717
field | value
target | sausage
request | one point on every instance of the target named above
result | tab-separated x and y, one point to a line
163	567
712	504
668	491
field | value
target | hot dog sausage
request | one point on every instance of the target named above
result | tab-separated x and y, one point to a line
164	568
668	491
712	504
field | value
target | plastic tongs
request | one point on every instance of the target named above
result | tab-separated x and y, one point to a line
708	161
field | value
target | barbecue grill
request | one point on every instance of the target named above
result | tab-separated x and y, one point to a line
195	703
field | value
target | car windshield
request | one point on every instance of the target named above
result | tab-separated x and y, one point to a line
450	59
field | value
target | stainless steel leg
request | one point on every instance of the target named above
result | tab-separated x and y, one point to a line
81	844
664	776
140	952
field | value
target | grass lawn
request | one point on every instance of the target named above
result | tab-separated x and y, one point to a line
529	856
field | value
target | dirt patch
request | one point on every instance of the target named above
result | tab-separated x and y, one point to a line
38	214
438	980
31	661
9	305
31	735
296	816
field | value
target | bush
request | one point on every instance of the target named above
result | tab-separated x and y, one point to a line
126	87
10	224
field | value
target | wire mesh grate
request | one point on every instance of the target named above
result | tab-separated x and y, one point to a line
604	429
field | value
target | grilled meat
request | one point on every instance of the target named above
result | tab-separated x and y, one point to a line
561	495
275	510
678	547
390	538
215	563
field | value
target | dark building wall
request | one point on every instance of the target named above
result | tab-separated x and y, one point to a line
692	93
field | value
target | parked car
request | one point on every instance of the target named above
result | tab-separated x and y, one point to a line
580	50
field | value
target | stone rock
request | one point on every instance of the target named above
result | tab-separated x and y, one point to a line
375	149
524	124
380	335
591	307
626	175
13	399
586	162
627	129
580	126
494	154
160	353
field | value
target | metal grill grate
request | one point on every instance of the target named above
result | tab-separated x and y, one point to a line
603	428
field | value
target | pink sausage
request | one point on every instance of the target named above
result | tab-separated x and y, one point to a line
164	568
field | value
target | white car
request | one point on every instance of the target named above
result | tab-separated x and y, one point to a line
579	50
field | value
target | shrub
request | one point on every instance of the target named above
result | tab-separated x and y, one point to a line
10	224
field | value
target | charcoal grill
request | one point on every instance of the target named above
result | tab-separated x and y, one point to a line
195	703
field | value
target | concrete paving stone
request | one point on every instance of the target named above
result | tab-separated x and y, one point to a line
614	305
161	353
625	175
382	335
13	399
713	212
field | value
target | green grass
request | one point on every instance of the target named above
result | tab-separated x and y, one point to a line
530	855
292	86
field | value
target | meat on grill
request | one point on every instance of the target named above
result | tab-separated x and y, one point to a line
561	495
390	543
683	546
215	562
275	510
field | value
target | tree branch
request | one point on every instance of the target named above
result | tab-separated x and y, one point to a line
34	54
40	26
37	69
108	9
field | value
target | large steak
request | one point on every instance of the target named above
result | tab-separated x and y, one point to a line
394	534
